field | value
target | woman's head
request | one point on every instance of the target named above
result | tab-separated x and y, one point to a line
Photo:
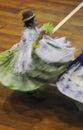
29	18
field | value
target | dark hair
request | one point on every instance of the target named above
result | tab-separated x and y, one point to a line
29	22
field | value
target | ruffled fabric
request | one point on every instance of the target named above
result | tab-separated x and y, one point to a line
40	74
71	82
55	50
24	68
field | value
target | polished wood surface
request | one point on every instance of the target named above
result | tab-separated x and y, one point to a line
18	110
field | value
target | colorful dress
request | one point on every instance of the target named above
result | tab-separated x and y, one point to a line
24	68
71	82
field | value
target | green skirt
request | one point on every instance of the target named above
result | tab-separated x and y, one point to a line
40	74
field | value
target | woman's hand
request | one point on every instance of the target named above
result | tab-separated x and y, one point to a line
43	32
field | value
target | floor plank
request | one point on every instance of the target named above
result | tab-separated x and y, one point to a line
18	110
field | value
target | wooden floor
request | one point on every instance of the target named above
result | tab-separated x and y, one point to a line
19	111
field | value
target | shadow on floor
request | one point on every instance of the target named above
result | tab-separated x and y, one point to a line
53	104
